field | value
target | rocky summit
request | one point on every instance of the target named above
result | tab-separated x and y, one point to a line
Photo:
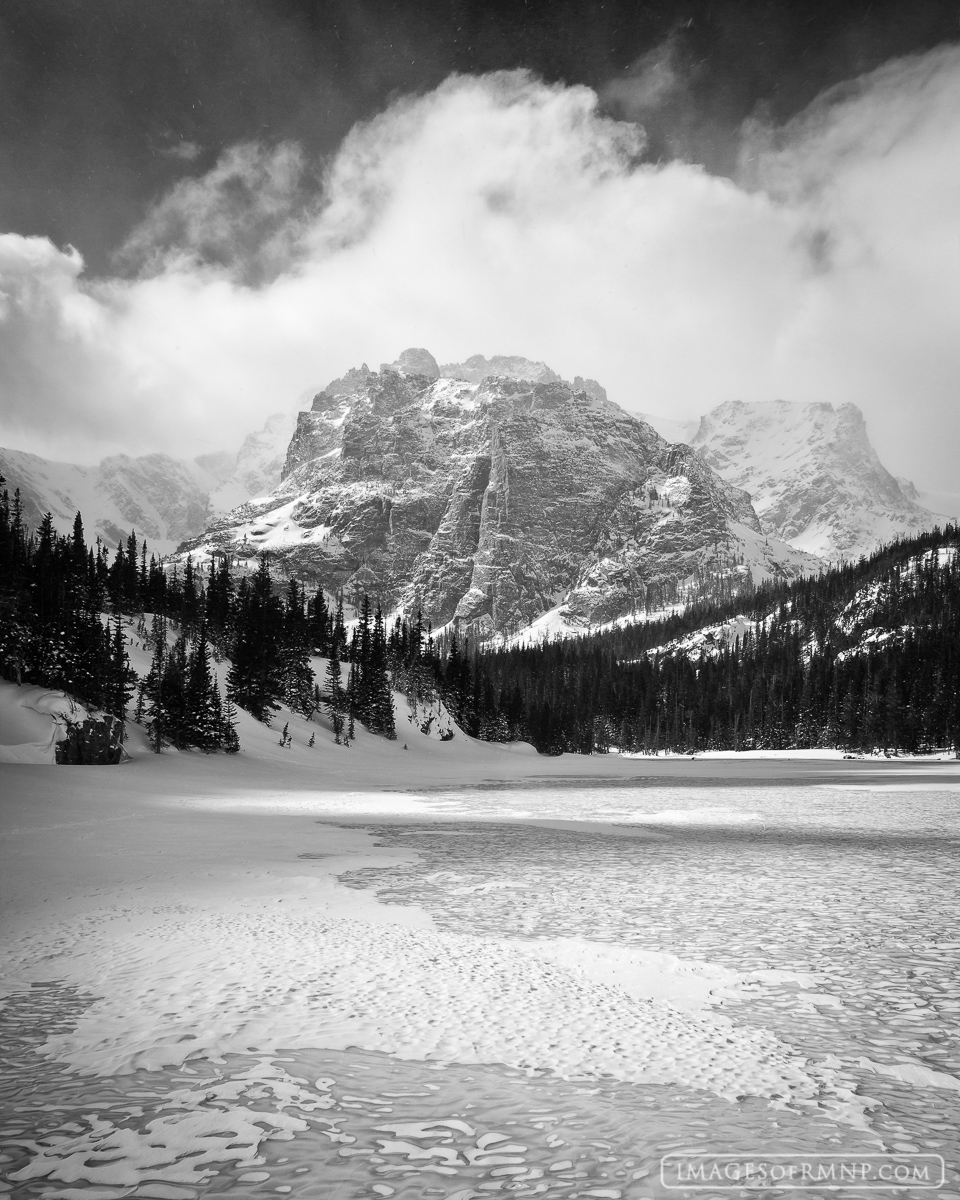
489	493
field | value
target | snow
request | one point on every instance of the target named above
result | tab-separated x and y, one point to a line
861	611
676	489
458	392
560	622
709	641
278	529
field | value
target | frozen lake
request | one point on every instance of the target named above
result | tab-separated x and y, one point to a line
536	988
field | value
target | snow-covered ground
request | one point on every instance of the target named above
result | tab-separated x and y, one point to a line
458	968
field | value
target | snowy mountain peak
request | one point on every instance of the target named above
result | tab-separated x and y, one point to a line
492	494
814	477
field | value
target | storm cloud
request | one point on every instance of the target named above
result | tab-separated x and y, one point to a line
500	214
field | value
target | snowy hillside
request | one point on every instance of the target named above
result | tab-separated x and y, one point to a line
35	721
163	499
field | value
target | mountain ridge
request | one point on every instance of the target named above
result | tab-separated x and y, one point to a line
164	499
411	450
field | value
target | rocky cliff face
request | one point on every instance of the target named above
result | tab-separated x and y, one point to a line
814	477
489	500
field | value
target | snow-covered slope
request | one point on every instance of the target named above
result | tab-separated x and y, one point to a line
814	477
490	502
162	498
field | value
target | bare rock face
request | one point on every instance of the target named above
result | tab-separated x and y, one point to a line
414	362
504	366
485	501
590	386
815	479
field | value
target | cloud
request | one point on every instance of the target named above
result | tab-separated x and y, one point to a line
656	79
245	215
499	214
872	166
182	149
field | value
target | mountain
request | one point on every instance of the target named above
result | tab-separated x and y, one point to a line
164	499
495	493
814	478
489	499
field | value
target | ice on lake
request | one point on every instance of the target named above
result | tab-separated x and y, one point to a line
587	976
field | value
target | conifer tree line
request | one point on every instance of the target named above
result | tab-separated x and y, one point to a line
53	591
61	609
800	675
813	669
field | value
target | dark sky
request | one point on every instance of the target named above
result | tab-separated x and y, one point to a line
104	104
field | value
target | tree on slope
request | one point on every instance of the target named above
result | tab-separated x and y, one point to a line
255	679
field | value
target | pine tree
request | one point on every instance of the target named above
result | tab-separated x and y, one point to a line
255	679
229	738
380	713
298	681
176	711
336	698
78	545
321	630
151	689
203	715
121	676
338	642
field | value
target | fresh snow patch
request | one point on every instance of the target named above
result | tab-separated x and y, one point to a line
676	490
